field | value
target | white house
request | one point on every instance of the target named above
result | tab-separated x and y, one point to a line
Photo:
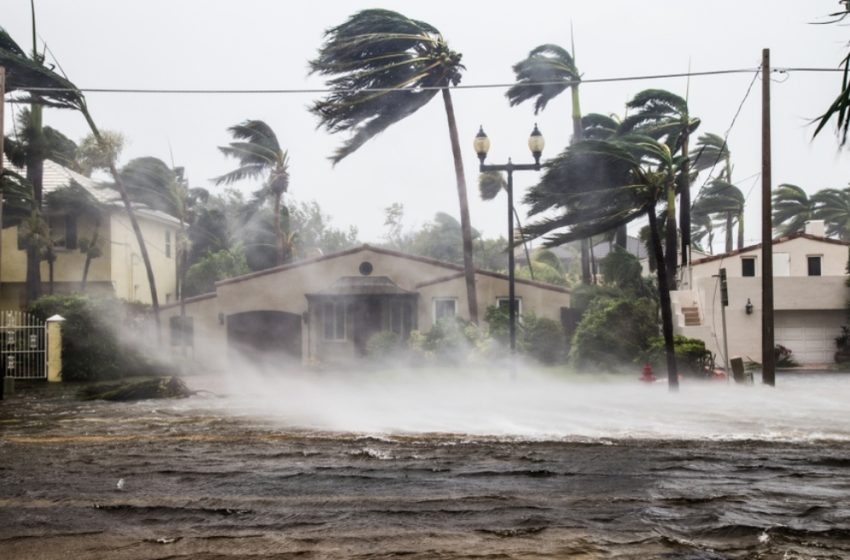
810	298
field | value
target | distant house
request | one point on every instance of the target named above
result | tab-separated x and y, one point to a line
119	270
326	309
810	297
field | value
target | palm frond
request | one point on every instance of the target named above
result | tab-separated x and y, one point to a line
546	72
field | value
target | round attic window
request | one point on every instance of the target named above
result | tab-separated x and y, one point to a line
365	268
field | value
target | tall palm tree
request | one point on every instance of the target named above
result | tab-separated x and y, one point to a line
724	199
792	208
75	201
45	87
544	74
258	151
662	114
598	185
383	67
840	106
833	207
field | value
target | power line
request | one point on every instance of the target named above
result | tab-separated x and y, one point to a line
288	91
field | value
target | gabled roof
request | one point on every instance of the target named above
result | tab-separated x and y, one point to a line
389	252
776	241
57	176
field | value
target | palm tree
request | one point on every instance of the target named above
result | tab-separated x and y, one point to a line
543	75
598	185
384	67
45	87
661	114
725	199
702	228
792	208
259	153
833	207
840	107
75	201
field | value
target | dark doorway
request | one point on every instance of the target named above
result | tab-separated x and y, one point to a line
265	334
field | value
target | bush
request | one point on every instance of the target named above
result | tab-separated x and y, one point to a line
783	358
540	338
91	349
691	355
385	344
613	332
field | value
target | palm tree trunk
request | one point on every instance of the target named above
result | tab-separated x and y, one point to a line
592	262
35	175
741	229
281	252
621	238
685	201
137	230
586	277
671	237
729	232
465	226
93	243
664	297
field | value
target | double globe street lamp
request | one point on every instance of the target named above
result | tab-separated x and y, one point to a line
482	146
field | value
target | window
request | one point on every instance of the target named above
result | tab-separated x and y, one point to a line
444	307
333	320
168	244
503	304
748	266
814	265
398	317
63	231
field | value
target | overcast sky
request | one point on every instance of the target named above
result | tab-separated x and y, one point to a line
264	44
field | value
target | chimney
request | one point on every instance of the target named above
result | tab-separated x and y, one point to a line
815	227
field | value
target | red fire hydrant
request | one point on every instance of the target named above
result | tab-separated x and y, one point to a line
647	376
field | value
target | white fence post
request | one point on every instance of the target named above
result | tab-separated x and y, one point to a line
54	348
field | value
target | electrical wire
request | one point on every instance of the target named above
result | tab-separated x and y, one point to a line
285	91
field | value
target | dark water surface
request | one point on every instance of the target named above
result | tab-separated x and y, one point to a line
196	483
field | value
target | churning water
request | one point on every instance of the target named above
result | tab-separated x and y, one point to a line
432	464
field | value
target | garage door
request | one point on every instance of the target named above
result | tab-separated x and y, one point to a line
809	334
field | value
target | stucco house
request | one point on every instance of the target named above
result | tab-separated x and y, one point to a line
810	297
325	309
119	270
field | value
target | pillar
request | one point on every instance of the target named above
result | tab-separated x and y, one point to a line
54	348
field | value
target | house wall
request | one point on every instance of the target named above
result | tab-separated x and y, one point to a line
815	298
127	268
284	290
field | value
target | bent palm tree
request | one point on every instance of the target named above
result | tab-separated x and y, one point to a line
543	75
598	185
384	67
792	208
725	199
260	155
74	200
833	207
661	114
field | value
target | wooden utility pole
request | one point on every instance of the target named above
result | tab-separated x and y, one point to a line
768	360
2	132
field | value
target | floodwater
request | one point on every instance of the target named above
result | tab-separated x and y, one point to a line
428	465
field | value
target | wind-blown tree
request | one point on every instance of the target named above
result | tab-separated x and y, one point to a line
490	184
258	151
384	67
839	109
544	74
833	207
45	87
792	208
702	229
595	186
661	114
721	198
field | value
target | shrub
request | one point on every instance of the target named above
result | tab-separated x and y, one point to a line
613	332
691	355
385	344
91	348
540	338
783	358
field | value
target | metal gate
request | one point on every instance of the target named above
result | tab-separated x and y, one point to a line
23	345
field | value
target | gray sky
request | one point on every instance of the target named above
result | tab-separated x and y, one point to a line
261	44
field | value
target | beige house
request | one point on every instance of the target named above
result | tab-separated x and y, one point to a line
325	309
810	298
119	270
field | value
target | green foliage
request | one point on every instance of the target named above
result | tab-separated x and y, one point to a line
622	270
583	294
385	345
783	357
613	332
91	347
540	338
691	354
202	276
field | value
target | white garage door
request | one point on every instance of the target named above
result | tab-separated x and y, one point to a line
809	334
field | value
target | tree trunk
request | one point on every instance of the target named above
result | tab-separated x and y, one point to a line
137	230
35	175
685	201
592	262
621	238
465	226
664	299
741	229
281	251
92	245
670	236
729	222
586	276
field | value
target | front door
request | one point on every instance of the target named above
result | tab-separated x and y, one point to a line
367	321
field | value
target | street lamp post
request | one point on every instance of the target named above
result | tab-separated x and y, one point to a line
482	146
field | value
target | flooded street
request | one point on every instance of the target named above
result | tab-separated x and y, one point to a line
215	477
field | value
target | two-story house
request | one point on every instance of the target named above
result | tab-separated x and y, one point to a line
118	270
810	298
